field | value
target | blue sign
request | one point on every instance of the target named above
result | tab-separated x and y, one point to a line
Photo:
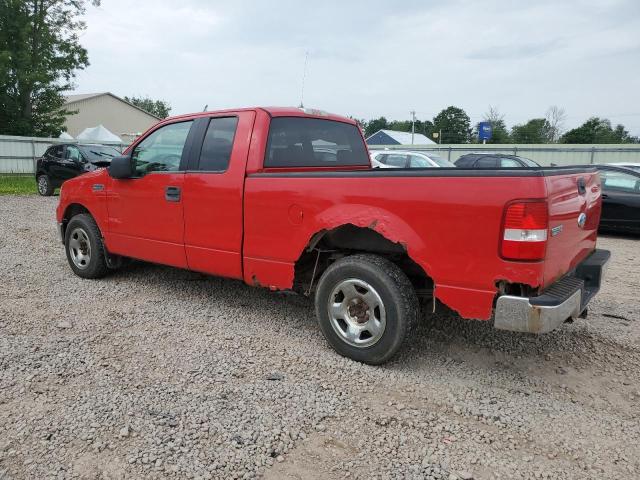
485	130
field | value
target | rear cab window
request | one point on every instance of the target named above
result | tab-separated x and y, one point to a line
313	142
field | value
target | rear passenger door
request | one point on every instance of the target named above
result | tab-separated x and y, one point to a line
213	194
54	166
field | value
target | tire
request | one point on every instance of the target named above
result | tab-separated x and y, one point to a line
84	247
377	303
45	188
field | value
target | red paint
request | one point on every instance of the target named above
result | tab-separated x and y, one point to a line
254	227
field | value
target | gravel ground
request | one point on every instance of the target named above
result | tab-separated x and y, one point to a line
155	372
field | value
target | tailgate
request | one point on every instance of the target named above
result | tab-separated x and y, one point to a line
574	214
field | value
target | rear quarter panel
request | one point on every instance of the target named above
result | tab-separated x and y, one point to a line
450	226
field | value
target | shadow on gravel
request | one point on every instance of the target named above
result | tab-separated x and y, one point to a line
442	334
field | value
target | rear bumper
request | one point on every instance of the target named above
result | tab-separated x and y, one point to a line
566	299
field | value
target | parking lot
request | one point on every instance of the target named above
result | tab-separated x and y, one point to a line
156	372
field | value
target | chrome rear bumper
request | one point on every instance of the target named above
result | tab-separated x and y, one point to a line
566	299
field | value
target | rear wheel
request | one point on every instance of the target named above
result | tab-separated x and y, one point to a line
45	188
366	307
84	247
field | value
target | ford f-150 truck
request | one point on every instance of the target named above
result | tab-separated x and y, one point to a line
286	199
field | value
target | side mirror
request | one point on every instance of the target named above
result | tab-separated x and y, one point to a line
121	167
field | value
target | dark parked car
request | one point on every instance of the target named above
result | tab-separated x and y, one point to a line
493	160
67	160
620	199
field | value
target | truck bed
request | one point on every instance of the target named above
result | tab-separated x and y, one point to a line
448	220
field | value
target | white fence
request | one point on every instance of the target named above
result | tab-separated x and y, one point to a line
19	154
544	154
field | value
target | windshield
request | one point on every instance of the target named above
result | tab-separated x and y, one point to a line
99	152
442	162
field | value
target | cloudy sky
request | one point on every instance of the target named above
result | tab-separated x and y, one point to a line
373	58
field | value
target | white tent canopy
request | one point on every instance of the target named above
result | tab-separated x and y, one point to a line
65	136
98	134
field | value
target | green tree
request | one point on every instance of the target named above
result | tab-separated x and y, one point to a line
374	125
536	130
598	130
499	134
159	108
39	56
454	124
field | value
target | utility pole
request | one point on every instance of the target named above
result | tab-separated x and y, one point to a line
413	124
440	136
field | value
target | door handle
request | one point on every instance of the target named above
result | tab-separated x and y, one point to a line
604	195
172	194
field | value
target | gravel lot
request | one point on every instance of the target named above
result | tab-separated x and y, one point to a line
155	372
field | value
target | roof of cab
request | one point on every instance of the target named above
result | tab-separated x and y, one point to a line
272	111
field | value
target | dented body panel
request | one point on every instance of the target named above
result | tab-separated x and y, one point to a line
254	223
453	237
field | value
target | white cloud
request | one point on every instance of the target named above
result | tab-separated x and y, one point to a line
373	58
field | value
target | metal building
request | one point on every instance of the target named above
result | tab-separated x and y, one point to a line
119	116
393	137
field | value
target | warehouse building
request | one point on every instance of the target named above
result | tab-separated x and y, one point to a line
117	115
392	137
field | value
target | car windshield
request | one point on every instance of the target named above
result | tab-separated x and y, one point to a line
442	162
99	152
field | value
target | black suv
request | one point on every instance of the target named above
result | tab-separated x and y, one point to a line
67	160
493	160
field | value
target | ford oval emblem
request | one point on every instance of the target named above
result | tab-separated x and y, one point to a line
582	219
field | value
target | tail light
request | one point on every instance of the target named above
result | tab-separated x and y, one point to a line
524	234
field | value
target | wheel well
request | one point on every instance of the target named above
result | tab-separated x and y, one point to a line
327	246
70	212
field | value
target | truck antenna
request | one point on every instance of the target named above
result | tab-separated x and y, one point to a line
304	76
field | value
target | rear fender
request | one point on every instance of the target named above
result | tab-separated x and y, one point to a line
390	226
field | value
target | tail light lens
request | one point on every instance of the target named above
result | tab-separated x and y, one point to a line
524	235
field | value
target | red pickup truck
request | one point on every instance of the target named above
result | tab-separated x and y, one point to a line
286	199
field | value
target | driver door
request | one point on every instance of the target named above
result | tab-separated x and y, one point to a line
146	219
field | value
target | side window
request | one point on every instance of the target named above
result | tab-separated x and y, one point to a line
161	151
619	181
486	163
418	162
217	145
509	163
73	153
396	160
314	142
54	152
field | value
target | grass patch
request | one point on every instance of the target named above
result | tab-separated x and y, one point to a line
17	185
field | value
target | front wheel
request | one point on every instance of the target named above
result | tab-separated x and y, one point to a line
366	307
85	251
